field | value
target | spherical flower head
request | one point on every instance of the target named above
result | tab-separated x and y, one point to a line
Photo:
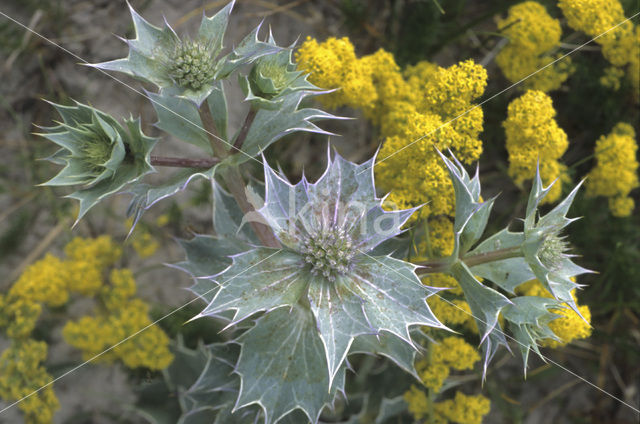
329	230
191	64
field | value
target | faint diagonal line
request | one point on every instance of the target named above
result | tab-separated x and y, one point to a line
132	335
127	85
497	94
508	336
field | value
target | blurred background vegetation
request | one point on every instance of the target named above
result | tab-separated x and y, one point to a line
34	220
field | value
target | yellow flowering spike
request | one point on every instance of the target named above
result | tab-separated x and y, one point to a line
450	91
433	375
443	280
616	171
449	353
633	70
569	326
448	313
532	34
464	409
21	372
532	134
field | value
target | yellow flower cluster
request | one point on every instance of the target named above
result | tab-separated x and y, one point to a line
569	326
595	17
532	134
449	353
616	171
462	409
51	282
122	317
333	65
411	106
21	373
532	34
620	45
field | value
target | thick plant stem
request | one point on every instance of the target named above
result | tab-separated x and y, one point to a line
233	179
244	130
443	265
235	183
183	162
217	145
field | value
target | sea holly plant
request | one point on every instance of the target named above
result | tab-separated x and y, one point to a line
99	154
305	277
508	259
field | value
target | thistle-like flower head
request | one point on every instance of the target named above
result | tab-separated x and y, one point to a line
340	296
272	77
98	153
545	248
186	67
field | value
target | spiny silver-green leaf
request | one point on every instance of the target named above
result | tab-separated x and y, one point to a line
282	366
144	196
381	294
485	304
270	125
389	346
472	214
507	273
260	279
529	318
228	219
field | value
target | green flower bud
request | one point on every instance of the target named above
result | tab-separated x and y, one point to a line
272	78
98	153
